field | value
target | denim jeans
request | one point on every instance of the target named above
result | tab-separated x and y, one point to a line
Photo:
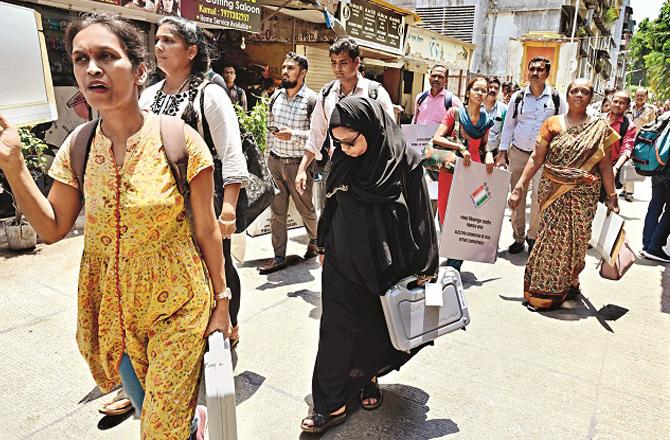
657	221
134	389
131	384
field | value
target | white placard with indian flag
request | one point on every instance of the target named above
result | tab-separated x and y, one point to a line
475	212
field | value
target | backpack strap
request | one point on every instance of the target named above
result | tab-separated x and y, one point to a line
207	135
325	91
623	129
174	145
80	147
518	100
448	100
311	103
557	100
273	99
419	101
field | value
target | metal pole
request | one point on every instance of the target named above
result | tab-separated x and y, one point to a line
574	22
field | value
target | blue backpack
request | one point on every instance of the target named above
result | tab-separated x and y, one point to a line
651	154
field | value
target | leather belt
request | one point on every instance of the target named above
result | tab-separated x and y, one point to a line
528	153
285	159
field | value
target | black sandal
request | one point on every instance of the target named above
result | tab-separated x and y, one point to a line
573	292
321	422
371	391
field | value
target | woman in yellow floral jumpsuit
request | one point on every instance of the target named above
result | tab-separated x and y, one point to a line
144	291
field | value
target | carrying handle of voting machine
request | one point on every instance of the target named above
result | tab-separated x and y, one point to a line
217	343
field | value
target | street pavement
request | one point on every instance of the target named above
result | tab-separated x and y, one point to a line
599	368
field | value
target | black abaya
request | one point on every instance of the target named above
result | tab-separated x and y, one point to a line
372	240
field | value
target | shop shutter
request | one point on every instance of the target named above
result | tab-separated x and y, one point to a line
320	73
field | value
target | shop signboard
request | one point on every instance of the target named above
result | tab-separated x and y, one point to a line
423	44
374	26
243	15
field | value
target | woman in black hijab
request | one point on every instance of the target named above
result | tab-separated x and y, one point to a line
376	229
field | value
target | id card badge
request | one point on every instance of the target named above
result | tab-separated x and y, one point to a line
434	295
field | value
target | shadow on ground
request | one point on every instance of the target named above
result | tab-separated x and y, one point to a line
402	416
310	297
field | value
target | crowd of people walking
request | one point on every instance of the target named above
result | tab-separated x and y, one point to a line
161	172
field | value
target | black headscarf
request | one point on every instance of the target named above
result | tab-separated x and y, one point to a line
376	175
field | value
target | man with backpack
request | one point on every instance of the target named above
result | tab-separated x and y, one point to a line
528	109
345	59
431	105
289	115
622	149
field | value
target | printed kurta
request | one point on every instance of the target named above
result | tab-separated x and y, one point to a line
143	287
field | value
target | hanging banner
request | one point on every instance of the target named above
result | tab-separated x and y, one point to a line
475	213
243	15
373	26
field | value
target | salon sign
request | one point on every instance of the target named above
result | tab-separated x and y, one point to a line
242	15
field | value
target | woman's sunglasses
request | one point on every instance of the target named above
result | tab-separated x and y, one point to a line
348	144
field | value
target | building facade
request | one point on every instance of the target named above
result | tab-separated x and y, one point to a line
582	38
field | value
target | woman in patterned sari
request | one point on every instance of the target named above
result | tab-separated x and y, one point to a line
574	149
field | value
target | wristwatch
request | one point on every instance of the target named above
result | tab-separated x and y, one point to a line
226	294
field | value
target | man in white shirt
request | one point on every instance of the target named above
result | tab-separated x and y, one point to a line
528	109
345	59
496	110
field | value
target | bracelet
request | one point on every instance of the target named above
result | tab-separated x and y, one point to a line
227	222
612	195
225	294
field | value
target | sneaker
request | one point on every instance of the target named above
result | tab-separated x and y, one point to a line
657	255
516	247
531	243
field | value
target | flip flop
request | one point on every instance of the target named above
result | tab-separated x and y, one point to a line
116	407
371	391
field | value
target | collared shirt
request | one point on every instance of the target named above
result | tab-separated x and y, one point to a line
523	130
237	96
643	116
322	111
624	146
432	109
497	115
290	113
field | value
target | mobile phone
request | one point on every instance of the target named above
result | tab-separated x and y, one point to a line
273	129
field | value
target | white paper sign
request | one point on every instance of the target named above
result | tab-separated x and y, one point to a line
433	294
475	212
27	96
605	231
417	136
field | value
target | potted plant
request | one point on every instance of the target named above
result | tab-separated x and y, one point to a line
20	235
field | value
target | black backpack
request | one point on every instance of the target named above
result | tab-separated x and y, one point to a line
518	102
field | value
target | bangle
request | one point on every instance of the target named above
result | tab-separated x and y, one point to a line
227	222
614	194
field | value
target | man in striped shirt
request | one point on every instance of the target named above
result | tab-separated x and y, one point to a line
288	122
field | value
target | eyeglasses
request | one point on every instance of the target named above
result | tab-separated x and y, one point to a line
347	144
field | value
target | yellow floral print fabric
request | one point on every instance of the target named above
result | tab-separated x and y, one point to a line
143	288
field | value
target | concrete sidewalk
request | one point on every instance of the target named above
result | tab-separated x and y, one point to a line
599	368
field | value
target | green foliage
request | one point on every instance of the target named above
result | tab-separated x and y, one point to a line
611	15
33	150
650	52
255	121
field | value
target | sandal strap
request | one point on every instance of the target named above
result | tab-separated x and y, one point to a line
371	390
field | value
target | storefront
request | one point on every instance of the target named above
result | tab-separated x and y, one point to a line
424	49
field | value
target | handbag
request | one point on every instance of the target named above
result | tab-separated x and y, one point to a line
257	196
622	262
